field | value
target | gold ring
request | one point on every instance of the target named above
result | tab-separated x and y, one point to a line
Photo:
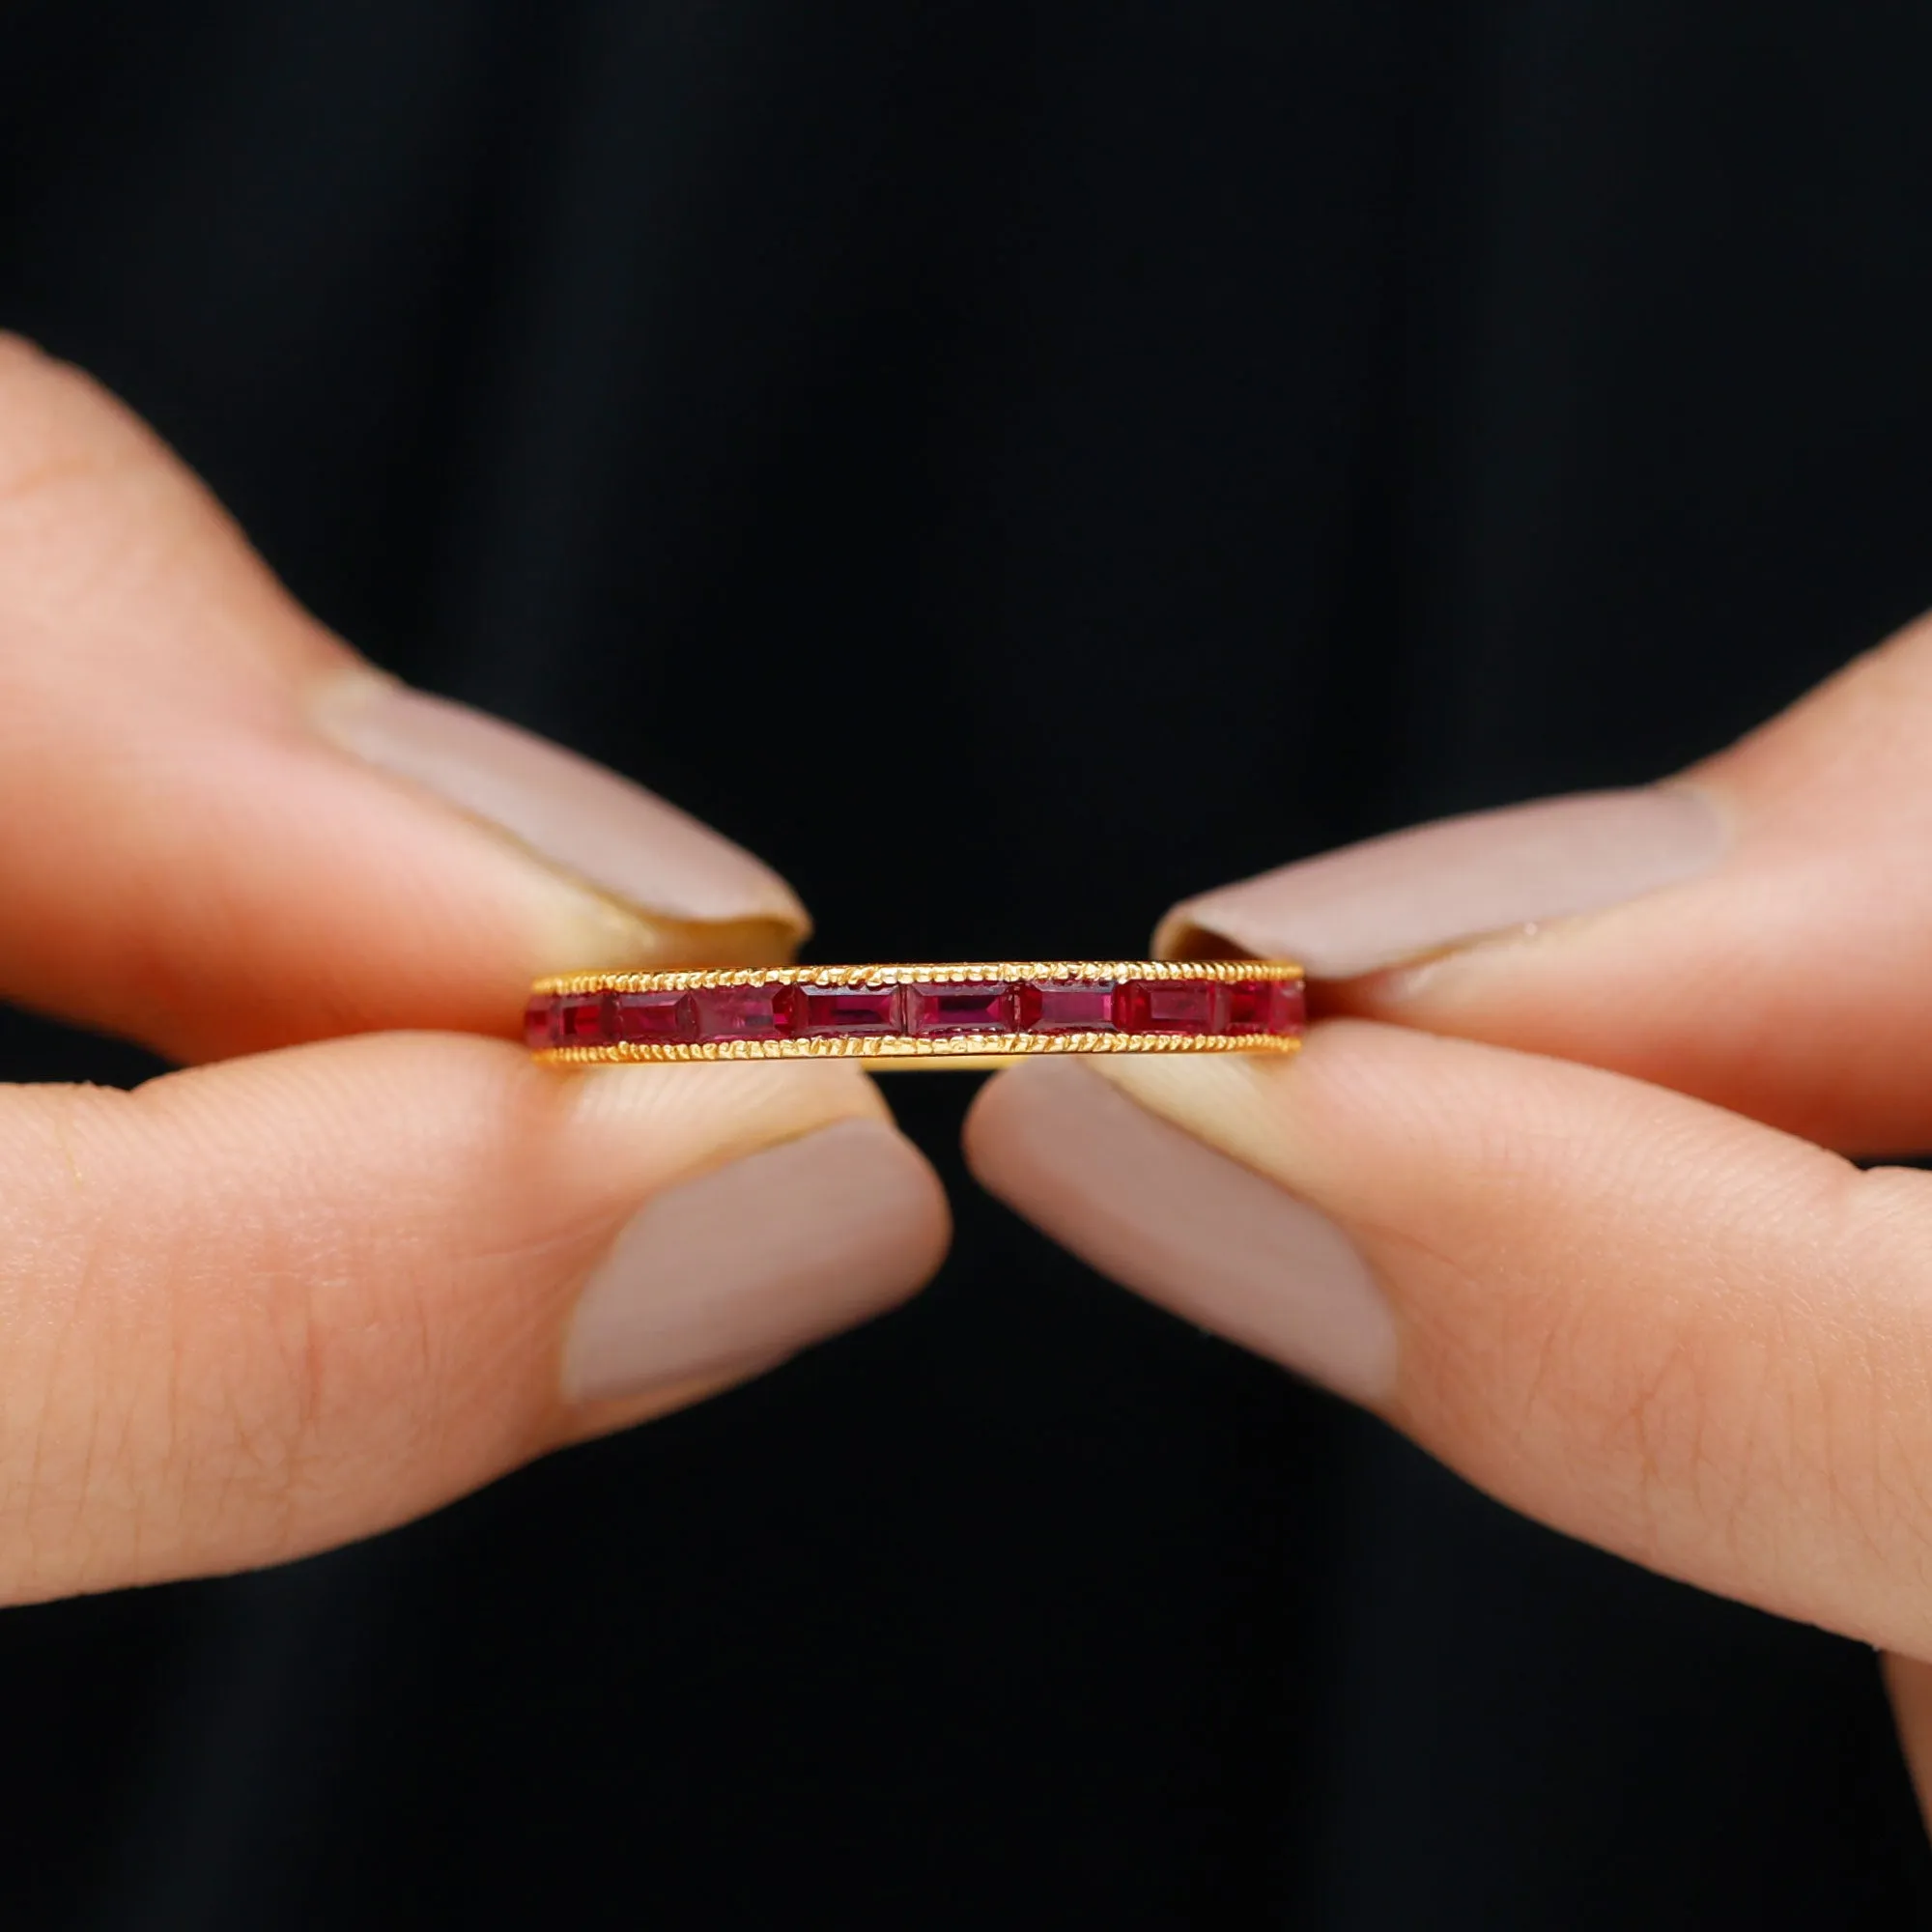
992	1009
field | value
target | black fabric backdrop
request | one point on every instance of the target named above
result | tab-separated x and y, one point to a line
1207	432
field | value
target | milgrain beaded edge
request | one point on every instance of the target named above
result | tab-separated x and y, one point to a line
1222	971
899	1046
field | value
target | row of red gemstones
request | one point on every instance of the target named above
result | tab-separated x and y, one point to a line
936	1009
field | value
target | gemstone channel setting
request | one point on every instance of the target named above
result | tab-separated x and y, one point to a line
993	1010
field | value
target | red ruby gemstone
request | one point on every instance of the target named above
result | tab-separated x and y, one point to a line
825	1011
537	1033
1287	1010
1066	1006
949	1008
1266	1005
1172	1006
659	1019
578	1019
744	1013
1249	1003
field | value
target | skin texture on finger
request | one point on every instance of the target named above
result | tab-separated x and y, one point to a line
225	832
257	1309
1754	934
1672	1332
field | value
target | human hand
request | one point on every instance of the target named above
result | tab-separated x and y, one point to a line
266	1305
1554	1196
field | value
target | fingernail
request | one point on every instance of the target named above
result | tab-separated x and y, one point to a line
607	832
1411	894
761	1257
1157	1210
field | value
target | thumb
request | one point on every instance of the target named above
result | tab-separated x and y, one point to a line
264	1306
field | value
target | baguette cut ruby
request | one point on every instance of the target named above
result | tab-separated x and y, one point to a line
537	1016
578	1019
744	1013
1066	1006
1266	1005
947	1006
824	1012
658	1019
1287	1010
1172	1006
1250	1002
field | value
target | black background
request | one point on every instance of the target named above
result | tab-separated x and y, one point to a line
1208	432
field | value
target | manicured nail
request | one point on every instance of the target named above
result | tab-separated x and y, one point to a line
757	1258
607	832
1157	1210
1411	894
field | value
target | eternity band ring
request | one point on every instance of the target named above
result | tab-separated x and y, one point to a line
995	1009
